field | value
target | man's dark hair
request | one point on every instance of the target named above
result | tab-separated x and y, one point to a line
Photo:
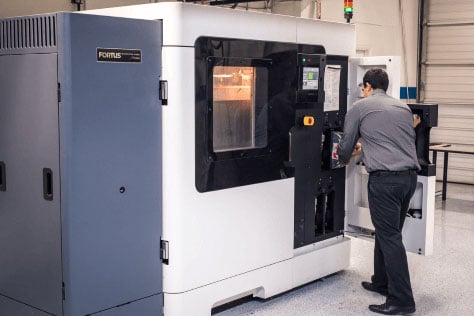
377	78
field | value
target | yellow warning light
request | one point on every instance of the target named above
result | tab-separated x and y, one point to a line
308	120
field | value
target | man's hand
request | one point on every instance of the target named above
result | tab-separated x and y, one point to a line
416	120
357	150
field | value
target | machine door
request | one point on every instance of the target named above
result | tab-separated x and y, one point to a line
419	224
306	145
30	238
319	179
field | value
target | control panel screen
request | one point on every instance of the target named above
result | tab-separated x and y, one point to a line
310	78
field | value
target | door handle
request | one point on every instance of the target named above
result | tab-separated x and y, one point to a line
3	177
47	184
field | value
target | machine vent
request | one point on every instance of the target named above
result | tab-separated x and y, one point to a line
28	32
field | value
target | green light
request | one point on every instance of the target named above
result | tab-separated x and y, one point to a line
303	59
348	10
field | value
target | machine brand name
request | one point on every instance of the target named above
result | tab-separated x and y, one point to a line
110	55
119	55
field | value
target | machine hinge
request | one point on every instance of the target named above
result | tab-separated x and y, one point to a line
63	291
59	92
164	92
164	251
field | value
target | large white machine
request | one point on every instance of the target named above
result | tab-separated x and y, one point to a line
254	208
239	241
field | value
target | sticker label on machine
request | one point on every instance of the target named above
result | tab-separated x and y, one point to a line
335	140
119	55
332	76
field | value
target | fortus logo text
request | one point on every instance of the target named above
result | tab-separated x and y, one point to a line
110	55
119	55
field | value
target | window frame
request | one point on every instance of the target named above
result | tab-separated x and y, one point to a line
261	95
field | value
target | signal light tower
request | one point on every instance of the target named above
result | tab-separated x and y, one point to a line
348	10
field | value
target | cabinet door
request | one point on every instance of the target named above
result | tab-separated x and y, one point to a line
110	131
359	65
30	243
419	225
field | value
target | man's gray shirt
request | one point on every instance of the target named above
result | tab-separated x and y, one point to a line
384	126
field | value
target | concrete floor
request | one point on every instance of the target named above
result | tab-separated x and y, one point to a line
443	284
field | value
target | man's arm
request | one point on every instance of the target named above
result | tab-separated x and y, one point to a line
348	142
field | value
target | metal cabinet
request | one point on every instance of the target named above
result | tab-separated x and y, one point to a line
80	146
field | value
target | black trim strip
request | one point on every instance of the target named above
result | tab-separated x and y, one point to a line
3	177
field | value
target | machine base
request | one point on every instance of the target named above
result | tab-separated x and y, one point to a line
12	307
148	306
308	264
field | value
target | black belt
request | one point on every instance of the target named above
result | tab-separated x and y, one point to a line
388	172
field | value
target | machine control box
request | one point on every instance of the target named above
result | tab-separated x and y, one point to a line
310	77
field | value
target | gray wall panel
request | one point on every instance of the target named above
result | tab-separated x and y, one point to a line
450	43
452	10
457	126
447	78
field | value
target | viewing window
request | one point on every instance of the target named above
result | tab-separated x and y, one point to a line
238	122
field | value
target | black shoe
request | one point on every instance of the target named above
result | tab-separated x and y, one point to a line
392	309
370	287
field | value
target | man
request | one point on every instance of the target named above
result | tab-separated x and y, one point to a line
381	129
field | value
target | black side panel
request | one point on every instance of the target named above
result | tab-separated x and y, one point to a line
330	194
3	177
306	158
428	114
306	141
319	189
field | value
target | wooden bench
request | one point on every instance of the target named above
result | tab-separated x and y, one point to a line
449	148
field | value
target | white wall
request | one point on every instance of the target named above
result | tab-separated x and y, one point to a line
378	27
378	23
379	30
10	8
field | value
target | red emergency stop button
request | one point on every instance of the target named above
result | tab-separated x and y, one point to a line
308	120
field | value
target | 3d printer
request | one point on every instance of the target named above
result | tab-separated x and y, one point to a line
190	167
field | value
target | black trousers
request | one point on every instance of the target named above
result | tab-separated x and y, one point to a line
389	198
